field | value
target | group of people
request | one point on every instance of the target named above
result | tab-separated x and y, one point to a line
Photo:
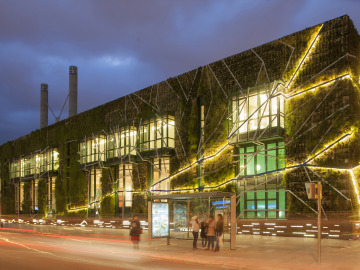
209	229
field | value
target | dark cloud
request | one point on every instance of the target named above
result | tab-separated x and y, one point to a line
123	46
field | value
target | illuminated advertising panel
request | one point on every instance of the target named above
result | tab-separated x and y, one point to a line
180	217
160	220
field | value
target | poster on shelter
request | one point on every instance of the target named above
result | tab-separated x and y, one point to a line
180	217
160	220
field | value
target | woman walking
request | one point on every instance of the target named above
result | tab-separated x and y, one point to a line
211	232
195	227
219	230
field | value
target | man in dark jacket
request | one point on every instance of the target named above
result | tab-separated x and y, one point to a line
135	231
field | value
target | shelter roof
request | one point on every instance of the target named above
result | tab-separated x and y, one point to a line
184	196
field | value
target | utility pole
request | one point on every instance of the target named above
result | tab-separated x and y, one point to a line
314	191
319	197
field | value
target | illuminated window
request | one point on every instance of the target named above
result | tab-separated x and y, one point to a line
256	159
49	161
122	142
263	197
92	149
112	145
161	170
258	111
51	202
125	185
15	168
127	140
95	185
19	196
157	133
27	166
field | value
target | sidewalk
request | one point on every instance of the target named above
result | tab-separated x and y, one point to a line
259	252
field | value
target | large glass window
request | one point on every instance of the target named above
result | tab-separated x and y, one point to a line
49	161
51	202
92	149
35	165
19	196
112	145
125	185
127	141
262	197
158	132
258	159
251	114
122	142
161	170
15	168
95	185
27	166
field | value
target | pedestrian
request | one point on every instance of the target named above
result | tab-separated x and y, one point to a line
195	227
219	230
203	226
135	231
211	232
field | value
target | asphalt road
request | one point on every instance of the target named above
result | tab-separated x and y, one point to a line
25	246
46	247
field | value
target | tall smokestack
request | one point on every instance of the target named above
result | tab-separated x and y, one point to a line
72	91
44	105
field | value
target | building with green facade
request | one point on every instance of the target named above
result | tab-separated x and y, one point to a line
260	123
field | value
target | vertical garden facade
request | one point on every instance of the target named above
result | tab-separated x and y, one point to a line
260	123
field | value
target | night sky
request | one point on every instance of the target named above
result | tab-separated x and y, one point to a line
123	46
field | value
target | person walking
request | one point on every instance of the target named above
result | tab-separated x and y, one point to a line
135	231
203	227
211	232
195	227
219	230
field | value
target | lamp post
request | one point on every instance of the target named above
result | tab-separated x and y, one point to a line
314	191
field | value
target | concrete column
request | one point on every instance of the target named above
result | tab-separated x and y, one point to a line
73	82
44	105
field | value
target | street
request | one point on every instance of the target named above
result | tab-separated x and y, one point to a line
79	248
25	246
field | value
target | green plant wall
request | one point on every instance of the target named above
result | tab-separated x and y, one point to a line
27	201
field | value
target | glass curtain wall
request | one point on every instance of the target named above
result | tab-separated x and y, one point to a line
125	185
92	149
256	159
161	170
95	186
15	169
122	142
35	165
255	112
49	161
262	195
156	133
51	201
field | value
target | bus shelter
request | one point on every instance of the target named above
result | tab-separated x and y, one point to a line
173	213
